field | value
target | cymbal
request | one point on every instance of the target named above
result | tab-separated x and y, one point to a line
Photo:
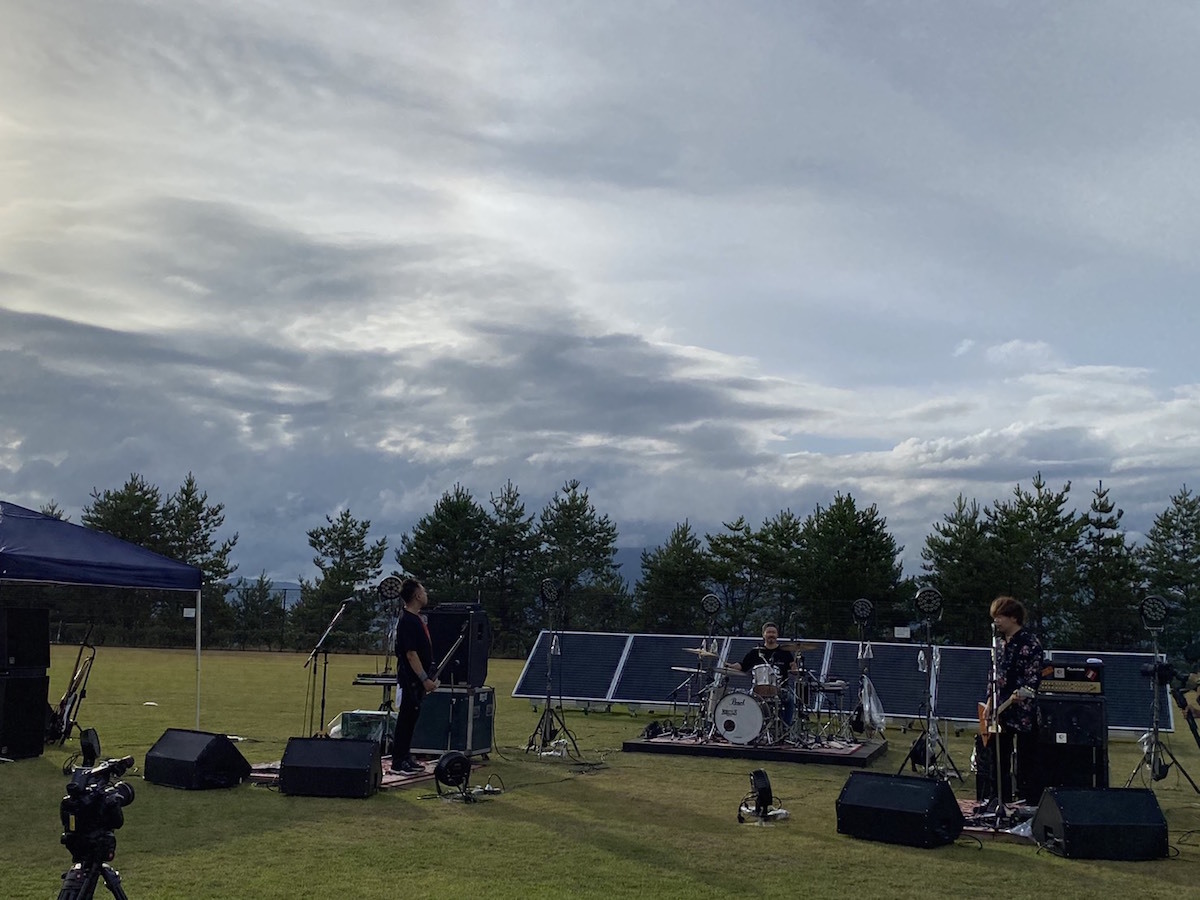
701	652
802	646
726	670
689	671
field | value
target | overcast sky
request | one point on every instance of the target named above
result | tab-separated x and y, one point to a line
712	259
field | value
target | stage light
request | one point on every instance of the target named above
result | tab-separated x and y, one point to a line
929	602
1153	612
861	609
89	745
760	787
711	604
389	588
549	591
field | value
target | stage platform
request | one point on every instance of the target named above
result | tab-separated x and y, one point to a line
837	753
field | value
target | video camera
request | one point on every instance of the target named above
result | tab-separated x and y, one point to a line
93	809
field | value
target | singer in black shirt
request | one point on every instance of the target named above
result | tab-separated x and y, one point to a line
414	659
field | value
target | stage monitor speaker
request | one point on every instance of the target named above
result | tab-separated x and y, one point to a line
468	666
1072	720
330	767
898	809
195	760
23	712
24	640
1097	823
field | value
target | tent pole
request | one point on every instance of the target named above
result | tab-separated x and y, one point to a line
198	601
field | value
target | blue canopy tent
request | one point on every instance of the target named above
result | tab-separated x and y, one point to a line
40	549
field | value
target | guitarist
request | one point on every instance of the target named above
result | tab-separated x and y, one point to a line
414	660
1019	671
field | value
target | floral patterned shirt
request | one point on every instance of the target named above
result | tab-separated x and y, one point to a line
1020	666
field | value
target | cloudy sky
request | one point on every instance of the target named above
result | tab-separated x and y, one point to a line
712	259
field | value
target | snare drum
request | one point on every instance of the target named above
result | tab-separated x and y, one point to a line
766	680
740	717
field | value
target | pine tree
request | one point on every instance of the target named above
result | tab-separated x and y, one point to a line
673	581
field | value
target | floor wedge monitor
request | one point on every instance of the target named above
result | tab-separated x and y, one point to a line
195	760
329	767
897	809
1101	823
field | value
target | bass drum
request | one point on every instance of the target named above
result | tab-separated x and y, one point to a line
739	717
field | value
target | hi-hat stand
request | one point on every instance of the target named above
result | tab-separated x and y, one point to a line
935	758
545	739
1154	750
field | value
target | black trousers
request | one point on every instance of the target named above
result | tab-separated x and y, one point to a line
1021	748
1004	749
408	710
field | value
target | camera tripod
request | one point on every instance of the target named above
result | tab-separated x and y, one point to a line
79	882
1154	749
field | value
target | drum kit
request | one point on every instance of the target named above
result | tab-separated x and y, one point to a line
757	714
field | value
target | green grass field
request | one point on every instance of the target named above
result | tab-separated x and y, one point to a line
621	825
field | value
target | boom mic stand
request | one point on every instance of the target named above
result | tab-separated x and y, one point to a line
1153	747
324	651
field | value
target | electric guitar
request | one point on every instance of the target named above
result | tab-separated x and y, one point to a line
989	725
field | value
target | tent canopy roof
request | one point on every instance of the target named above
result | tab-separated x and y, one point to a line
40	548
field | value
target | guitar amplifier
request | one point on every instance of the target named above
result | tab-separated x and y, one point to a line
1081	678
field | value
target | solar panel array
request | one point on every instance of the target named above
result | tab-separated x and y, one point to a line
641	670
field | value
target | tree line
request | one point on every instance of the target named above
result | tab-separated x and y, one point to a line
1077	571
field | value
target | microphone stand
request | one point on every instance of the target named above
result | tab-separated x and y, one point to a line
990	723
322	649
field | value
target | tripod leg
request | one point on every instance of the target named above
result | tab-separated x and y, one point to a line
112	881
567	731
79	882
1167	750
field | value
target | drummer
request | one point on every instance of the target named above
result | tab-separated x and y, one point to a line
781	660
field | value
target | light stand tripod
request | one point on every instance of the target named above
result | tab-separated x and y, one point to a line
861	719
1154	613
551	722
934	756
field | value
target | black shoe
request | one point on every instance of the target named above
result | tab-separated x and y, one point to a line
408	767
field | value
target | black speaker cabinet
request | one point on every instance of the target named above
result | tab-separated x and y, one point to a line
456	719
897	809
196	760
24	640
329	767
469	665
1092	823
1064	765
23	712
1072	720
